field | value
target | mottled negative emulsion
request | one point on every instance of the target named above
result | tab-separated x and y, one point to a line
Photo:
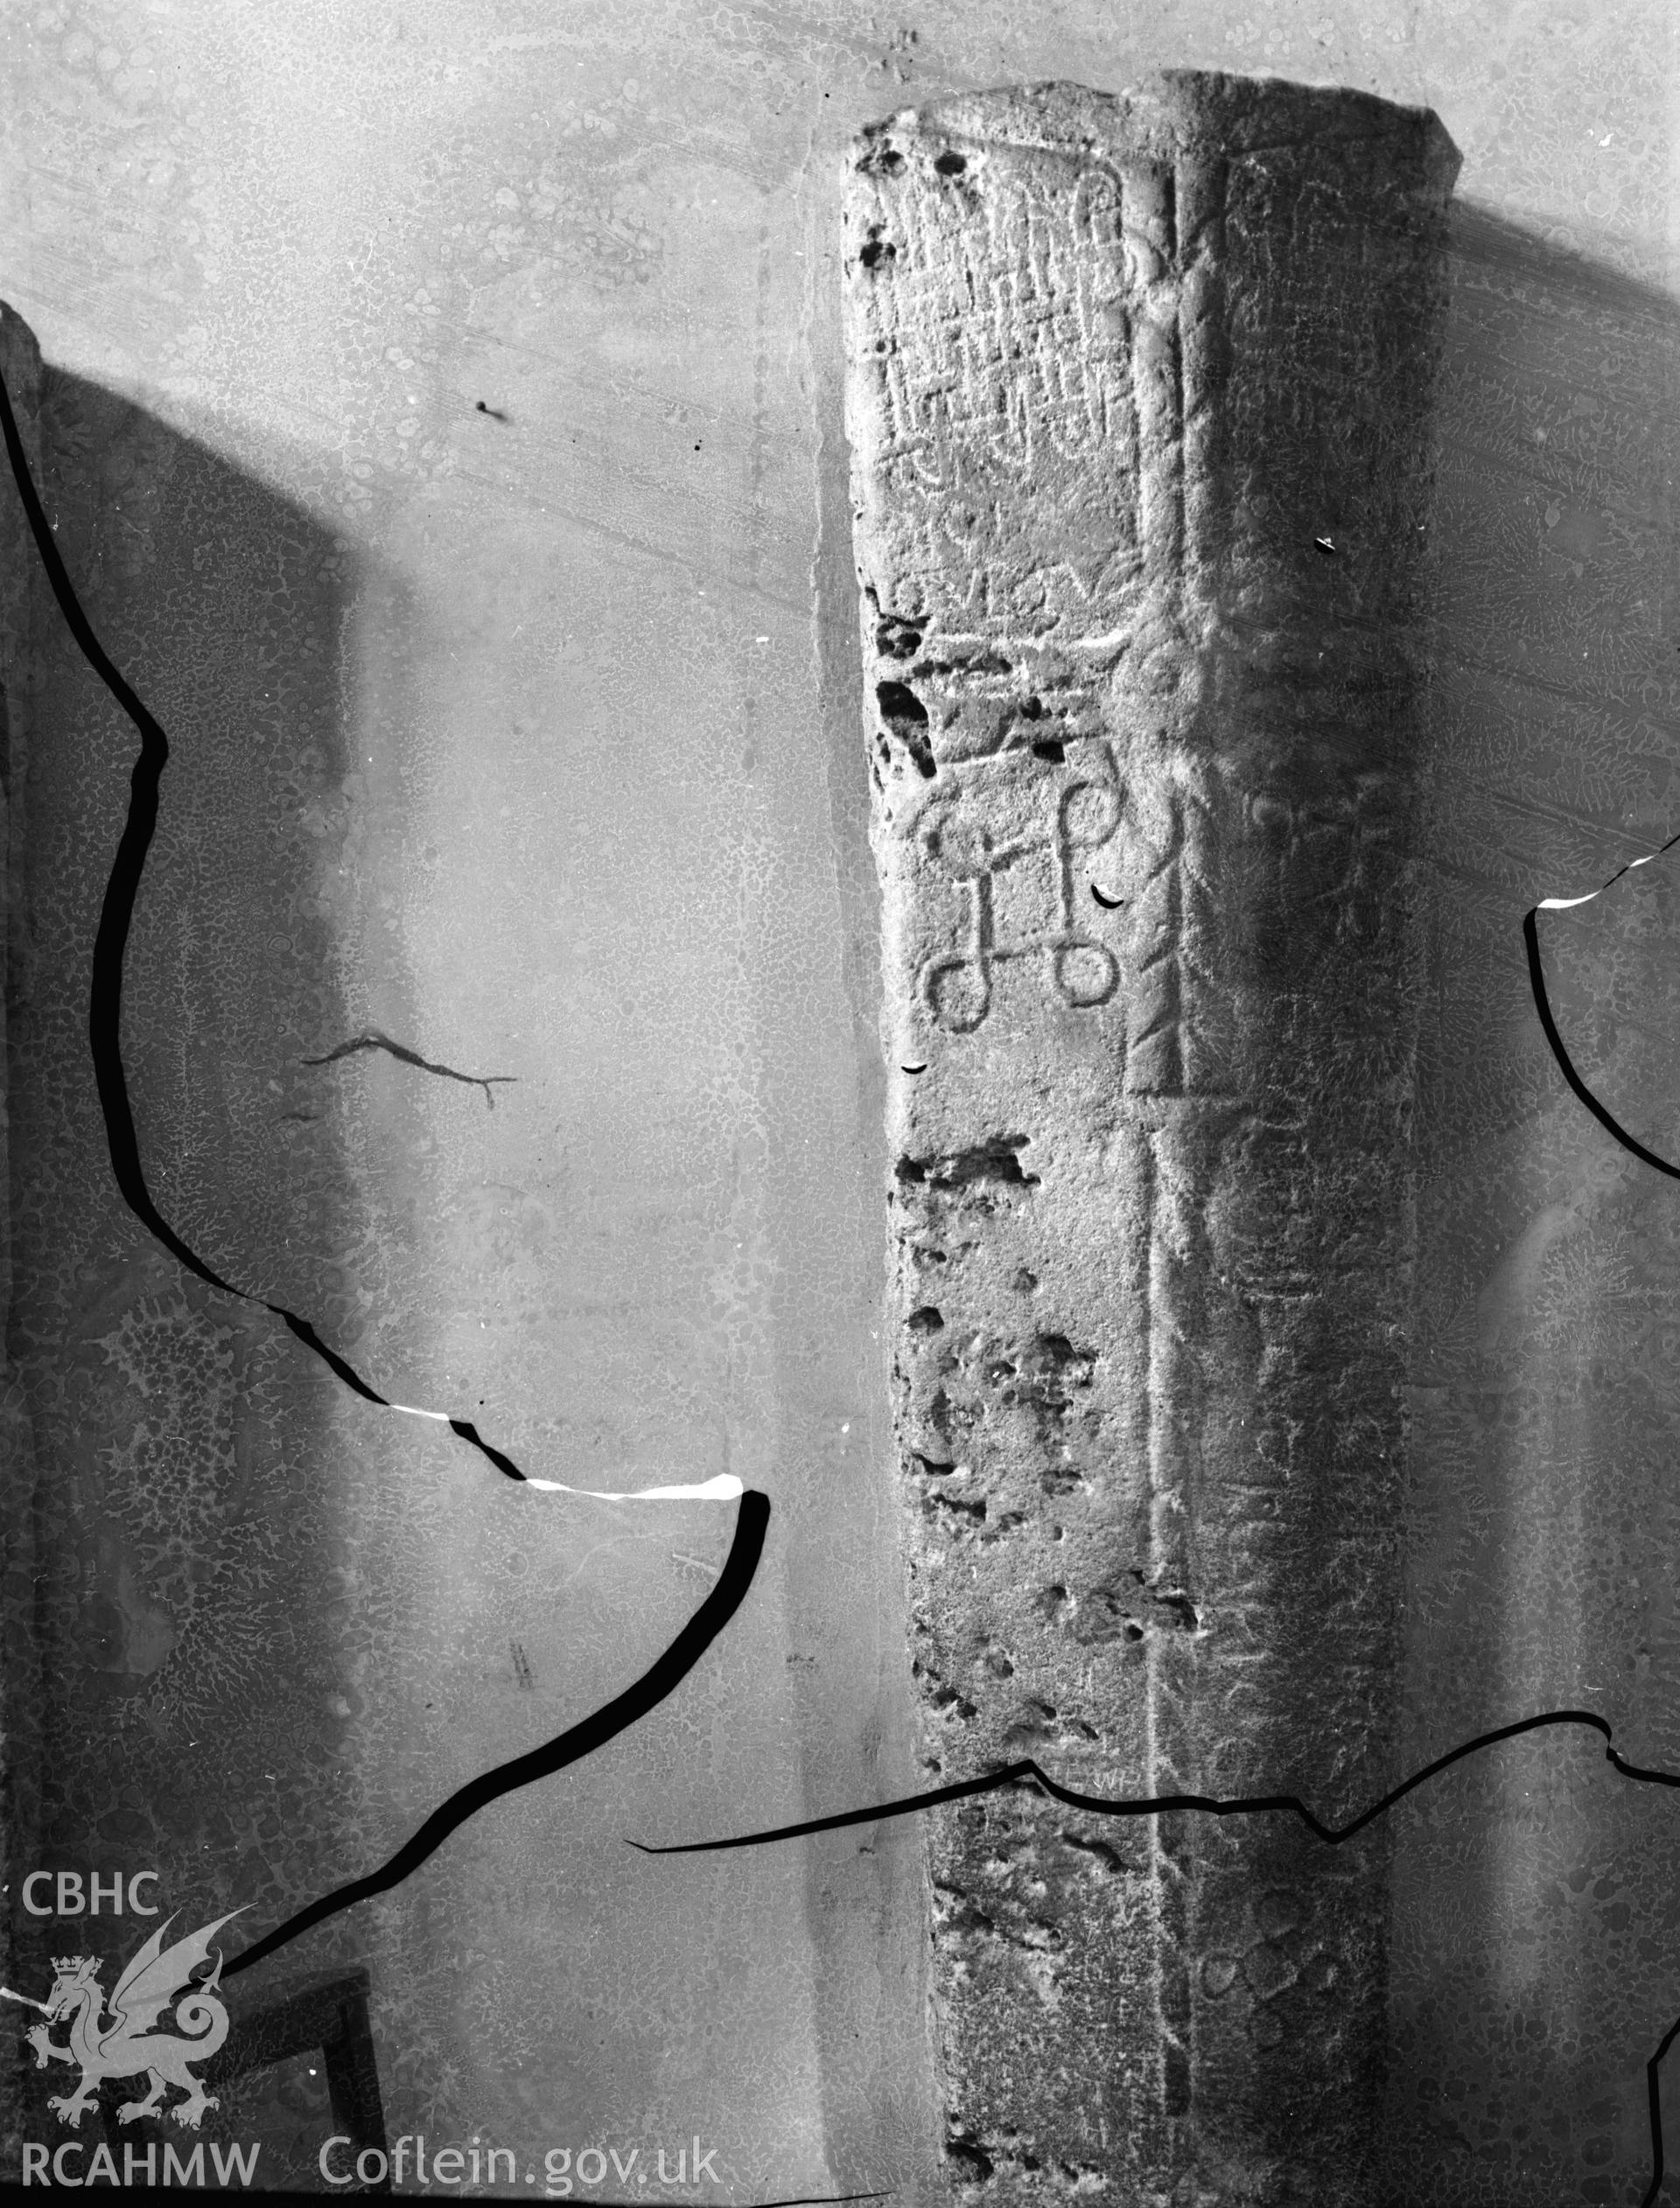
1139	396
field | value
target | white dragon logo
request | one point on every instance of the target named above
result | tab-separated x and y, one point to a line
125	2045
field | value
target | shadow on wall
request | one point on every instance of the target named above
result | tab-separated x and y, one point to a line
1535	1937
178	1643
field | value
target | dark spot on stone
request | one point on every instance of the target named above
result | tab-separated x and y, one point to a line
995	1161
898	702
942	1696
959	1505
925	1320
896	639
1101	1851
970	2157
907	717
950	165
1005	1523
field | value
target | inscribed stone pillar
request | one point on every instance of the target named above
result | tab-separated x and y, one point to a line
1139	396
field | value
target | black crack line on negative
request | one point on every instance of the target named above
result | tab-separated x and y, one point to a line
800	2200
1542	1006
753	1516
370	1039
1027	1773
110	941
1654	2095
821	2199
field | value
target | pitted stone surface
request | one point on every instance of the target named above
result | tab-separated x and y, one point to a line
1139	399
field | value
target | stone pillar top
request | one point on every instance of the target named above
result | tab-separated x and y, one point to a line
1170	113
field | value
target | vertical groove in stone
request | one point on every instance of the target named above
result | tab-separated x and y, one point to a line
1138	395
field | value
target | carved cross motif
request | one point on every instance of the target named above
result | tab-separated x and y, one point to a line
1008	834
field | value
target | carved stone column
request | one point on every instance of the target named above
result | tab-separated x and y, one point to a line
1139	398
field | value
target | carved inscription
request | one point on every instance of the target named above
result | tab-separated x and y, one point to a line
1143	764
1024	332
1009	833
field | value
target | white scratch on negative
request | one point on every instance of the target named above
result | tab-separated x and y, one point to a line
725	1488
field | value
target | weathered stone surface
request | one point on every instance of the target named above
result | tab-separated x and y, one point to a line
1138	397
